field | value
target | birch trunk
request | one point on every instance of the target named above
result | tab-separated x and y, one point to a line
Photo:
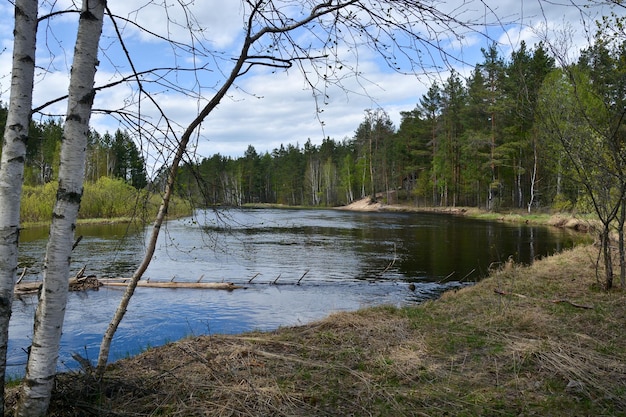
533	177
42	360
12	164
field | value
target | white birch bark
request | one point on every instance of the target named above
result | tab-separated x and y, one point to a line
533	177
12	164
42	360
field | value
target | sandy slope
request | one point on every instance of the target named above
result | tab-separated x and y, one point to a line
364	204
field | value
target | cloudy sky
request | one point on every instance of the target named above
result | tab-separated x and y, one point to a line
268	107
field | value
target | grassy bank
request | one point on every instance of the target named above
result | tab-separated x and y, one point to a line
537	340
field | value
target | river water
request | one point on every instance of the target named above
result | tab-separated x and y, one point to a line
297	266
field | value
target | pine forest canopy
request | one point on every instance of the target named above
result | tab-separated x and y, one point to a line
475	141
113	156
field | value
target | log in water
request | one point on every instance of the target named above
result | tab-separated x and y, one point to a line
90	282
75	284
162	284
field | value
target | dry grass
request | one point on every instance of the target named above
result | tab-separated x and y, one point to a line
524	350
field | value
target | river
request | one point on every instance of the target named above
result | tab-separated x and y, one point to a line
297	266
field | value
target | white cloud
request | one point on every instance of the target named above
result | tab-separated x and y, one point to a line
221	21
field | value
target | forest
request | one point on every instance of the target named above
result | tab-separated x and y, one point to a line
116	184
477	141
487	140
483	141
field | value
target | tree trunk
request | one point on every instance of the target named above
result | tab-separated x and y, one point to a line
12	164
605	243
105	345
533	177
622	244
42	360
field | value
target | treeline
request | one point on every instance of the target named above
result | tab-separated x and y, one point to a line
109	155
475	141
478	141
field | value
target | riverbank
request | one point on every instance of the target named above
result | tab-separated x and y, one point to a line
536	340
581	223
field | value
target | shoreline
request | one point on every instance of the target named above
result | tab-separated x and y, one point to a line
527	340
584	224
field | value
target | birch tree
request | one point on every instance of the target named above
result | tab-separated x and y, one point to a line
44	351
12	163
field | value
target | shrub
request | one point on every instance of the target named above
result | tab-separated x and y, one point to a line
37	202
107	198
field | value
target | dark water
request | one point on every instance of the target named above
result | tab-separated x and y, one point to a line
342	261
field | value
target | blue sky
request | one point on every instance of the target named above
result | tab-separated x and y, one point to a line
270	107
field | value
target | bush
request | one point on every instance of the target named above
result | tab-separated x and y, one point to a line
107	198
562	204
37	202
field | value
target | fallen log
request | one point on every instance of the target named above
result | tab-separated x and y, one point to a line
27	287
78	283
116	282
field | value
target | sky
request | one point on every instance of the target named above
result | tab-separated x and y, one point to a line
270	107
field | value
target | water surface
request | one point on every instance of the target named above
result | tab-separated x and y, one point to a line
297	266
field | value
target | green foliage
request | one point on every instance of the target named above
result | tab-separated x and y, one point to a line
561	203
109	198
37	202
496	139
106	198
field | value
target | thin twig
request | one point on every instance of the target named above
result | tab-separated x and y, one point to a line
21	276
468	274
555	301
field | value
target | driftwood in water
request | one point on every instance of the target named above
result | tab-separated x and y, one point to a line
117	282
78	283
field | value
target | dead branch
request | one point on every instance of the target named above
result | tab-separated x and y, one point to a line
165	284
306	272
255	275
21	276
555	301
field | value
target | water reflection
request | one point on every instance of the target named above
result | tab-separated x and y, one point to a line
343	261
